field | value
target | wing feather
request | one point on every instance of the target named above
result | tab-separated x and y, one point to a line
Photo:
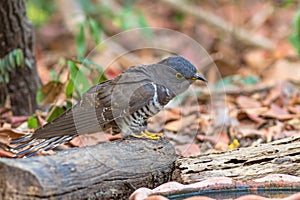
102	104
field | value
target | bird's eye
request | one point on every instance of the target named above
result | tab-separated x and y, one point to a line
179	76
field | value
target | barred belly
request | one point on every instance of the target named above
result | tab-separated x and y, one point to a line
137	121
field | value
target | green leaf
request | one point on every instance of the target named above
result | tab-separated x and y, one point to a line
126	19
143	23
39	12
2	67
55	112
40	96
237	80
19	57
250	80
295	37
69	89
142	20
53	75
91	65
69	104
62	62
32	122
94	30
80	82
286	3
11	61
80	41
6	77
89	6
73	69
4	62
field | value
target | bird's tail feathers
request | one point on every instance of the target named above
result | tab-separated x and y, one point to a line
25	138
32	146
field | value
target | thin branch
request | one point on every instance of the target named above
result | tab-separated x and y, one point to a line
235	90
243	35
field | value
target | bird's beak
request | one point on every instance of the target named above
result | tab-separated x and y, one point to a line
199	77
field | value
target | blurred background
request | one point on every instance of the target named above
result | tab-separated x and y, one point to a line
243	37
253	48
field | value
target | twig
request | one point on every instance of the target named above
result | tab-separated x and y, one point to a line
213	20
235	90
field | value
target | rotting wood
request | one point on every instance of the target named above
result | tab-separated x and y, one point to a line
110	170
114	170
278	157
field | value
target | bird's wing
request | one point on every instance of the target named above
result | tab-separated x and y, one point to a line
100	105
80	119
105	102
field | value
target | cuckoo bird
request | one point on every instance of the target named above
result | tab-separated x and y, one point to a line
123	104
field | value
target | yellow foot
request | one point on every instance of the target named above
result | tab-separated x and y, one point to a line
148	135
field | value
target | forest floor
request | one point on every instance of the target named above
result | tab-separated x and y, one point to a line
256	101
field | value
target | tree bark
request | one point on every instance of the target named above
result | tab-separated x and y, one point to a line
114	170
278	157
110	170
17	32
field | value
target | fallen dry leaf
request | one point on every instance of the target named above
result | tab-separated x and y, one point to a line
274	130
250	132
221	146
247	102
258	59
294	109
280	113
6	154
243	114
17	120
271	97
295	123
7	133
172	114
51	90
285	134
188	150
175	126
283	70
89	139
157	122
6	125
179	138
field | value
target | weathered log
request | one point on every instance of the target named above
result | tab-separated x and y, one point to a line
106	171
278	157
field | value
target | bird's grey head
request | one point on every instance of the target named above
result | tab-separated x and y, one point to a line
178	73
186	69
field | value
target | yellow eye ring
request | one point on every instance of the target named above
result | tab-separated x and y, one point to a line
179	76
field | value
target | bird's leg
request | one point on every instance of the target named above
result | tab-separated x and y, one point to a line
152	136
149	135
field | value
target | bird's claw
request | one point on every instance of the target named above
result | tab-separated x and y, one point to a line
148	135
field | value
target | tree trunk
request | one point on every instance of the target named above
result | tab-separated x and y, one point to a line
17	32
